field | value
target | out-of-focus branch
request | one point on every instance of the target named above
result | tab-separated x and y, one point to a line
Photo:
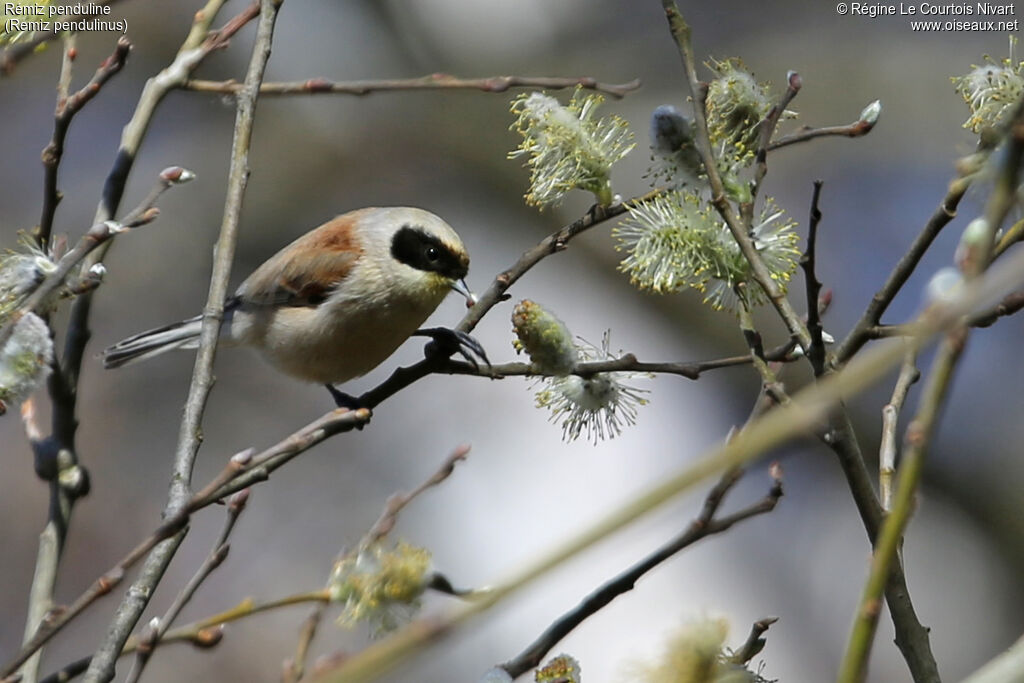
904	268
925	423
241	471
1008	666
890	420
101	669
437	81
704	525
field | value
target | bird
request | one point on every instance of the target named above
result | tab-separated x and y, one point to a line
338	301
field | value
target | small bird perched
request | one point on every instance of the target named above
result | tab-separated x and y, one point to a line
336	302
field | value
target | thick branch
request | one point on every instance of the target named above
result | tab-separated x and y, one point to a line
102	667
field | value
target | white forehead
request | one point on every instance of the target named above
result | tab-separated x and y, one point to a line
385	221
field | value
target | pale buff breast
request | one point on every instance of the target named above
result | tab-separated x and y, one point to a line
317	346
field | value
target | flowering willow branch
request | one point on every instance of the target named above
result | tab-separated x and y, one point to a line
804	412
437	81
890	419
682	35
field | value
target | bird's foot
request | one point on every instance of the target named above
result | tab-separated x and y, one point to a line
447	342
343	400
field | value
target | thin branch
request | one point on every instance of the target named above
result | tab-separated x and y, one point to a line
793	85
626	363
295	668
241	471
890	419
214	559
770	384
741	233
198	45
904	268
816	354
704	525
853	130
854	665
436	81
67	106
1009	305
102	667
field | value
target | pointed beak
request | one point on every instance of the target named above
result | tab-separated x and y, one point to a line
460	287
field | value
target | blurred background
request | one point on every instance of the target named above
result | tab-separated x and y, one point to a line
522	490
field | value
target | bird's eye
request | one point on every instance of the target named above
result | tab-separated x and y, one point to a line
433	254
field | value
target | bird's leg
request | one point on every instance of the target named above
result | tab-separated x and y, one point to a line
343	400
446	342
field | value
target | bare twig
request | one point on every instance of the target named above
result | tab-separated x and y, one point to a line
945	213
437	81
890	419
198	45
770	385
11	56
754	643
214	559
626	363
1009	305
706	524
67	106
101	668
853	130
793	85
816	354
242	470
854	666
